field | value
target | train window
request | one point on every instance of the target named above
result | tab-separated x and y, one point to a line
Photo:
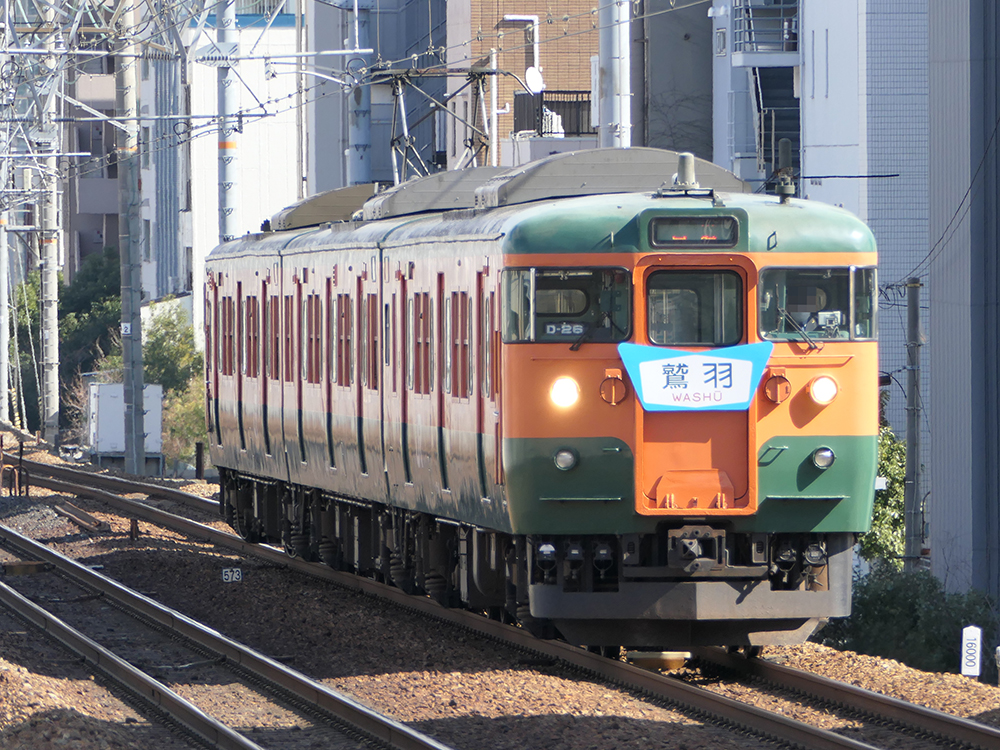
288	338
314	328
252	336
274	339
694	308
569	305
694	231
810	304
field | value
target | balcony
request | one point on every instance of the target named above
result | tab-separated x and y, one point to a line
765	33
555	114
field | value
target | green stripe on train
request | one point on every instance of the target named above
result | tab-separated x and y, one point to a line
597	495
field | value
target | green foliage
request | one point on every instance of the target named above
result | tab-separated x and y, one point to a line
89	316
169	355
885	540
184	421
910	618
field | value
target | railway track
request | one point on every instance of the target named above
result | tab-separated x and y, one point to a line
145	632
875	706
957	731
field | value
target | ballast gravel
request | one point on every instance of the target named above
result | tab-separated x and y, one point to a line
466	691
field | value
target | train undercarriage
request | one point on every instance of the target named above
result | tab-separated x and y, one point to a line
685	585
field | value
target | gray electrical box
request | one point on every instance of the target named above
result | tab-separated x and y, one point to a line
106	425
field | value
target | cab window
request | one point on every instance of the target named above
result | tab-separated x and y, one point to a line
571	305
694	308
817	304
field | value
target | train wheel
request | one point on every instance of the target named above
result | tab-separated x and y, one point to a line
245	527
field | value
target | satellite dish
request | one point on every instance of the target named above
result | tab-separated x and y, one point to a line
533	80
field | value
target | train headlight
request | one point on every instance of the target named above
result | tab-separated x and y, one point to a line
823	458
564	392
823	390
564	459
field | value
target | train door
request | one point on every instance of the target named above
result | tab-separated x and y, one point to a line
265	380
369	381
240	363
444	383
484	388
273	368
695	458
212	345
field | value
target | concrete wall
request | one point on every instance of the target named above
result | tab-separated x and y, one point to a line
964	278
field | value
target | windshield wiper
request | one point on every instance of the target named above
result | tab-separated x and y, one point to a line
808	339
587	333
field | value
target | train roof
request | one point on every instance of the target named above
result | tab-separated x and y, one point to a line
589	201
572	174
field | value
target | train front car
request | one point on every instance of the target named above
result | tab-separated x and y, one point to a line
689	414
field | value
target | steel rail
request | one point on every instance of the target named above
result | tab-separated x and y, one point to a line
661	687
113	484
119	671
929	720
343	707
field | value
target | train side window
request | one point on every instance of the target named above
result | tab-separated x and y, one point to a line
409	337
313	338
486	345
469	311
694	308
209	334
331	332
811	304
252	336
447	342
372	341
227	336
274	338
289	337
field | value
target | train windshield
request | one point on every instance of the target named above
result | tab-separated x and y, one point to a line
817	304
567	305
694	308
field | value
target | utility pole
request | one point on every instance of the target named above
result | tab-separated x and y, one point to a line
228	43
48	141
614	82
4	250
912	517
130	246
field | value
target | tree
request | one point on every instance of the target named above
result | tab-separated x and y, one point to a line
169	354
885	540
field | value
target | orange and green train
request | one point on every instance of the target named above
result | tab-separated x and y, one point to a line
580	394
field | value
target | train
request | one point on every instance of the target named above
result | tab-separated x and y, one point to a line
614	396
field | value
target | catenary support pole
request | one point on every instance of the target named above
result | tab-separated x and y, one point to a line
5	394
49	247
359	108
615	127
912	517
130	249
228	91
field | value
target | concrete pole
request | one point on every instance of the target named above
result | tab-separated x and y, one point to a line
615	126
4	309
130	250
227	39
494	82
359	110
911	483
49	251
4	250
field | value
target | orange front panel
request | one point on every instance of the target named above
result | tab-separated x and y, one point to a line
693	461
529	370
854	365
